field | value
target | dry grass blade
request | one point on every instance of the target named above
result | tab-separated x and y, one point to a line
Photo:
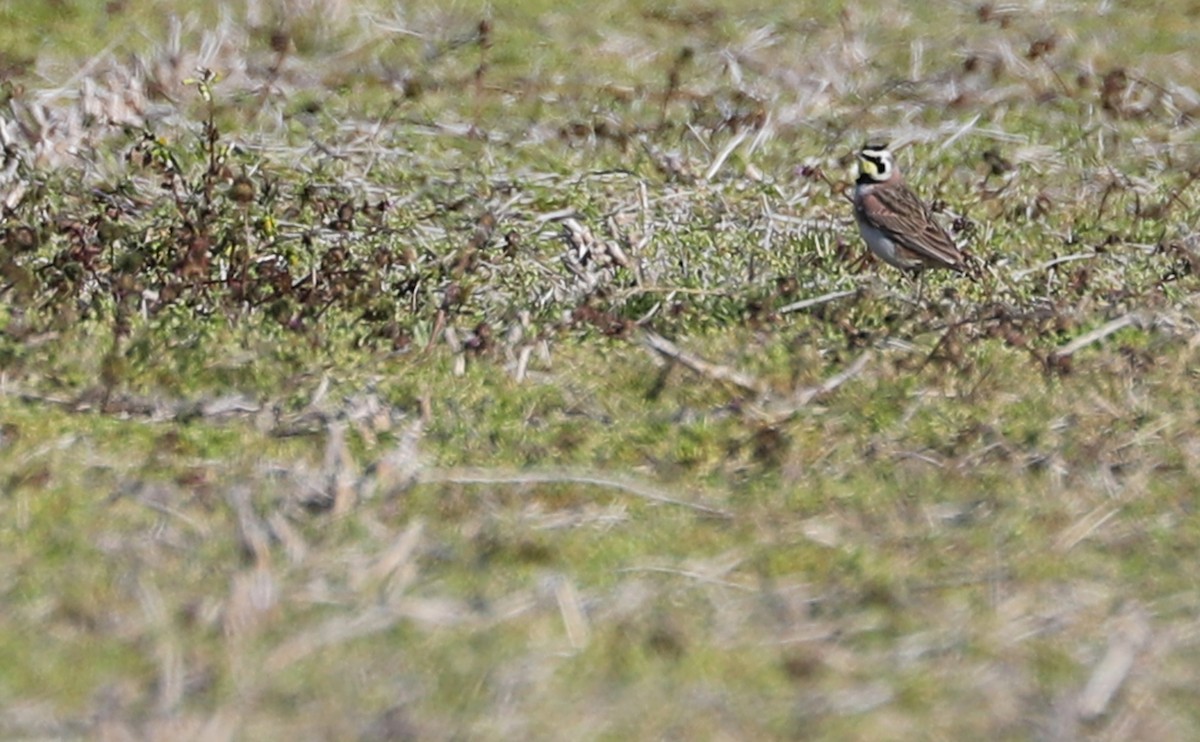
1041	267
253	597
816	301
338	469
783	411
695	363
291	540
255	537
724	154
1085	527
332	632
366	622
1130	633
397	469
1132	319
395	568
170	657
835	381
692	575
570	607
497	476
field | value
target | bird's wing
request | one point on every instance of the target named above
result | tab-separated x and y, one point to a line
906	220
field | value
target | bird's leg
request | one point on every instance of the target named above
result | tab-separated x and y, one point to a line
918	275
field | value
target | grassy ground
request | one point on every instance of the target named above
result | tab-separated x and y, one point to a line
390	371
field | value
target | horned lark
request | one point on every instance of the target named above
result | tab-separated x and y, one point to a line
894	221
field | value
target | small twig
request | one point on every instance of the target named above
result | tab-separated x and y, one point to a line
1018	275
673	82
1161	211
836	189
833	382
1098	334
501	476
556	216
664	347
805	397
816	300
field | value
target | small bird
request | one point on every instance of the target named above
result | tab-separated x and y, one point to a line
894	221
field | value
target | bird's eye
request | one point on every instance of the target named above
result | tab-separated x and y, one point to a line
874	164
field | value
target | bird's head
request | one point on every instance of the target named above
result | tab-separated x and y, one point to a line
875	163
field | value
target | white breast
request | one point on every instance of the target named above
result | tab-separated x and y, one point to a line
877	240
